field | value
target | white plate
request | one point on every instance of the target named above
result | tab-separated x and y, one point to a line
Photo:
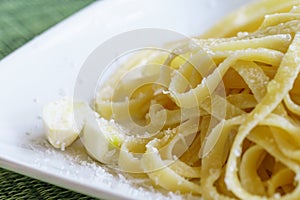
46	68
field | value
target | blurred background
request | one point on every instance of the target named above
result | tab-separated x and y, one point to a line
20	20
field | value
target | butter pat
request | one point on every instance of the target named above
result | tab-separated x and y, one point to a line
60	125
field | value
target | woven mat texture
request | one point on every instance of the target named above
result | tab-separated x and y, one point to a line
20	21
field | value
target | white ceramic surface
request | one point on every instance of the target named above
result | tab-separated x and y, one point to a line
45	69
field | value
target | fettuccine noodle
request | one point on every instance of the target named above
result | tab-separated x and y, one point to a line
219	119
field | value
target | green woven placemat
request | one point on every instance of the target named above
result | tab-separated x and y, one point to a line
20	21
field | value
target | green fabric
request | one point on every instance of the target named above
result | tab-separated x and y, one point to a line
20	21
15	186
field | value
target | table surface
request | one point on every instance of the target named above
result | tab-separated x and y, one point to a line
20	21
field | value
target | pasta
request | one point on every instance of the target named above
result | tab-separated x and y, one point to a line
222	120
219	119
